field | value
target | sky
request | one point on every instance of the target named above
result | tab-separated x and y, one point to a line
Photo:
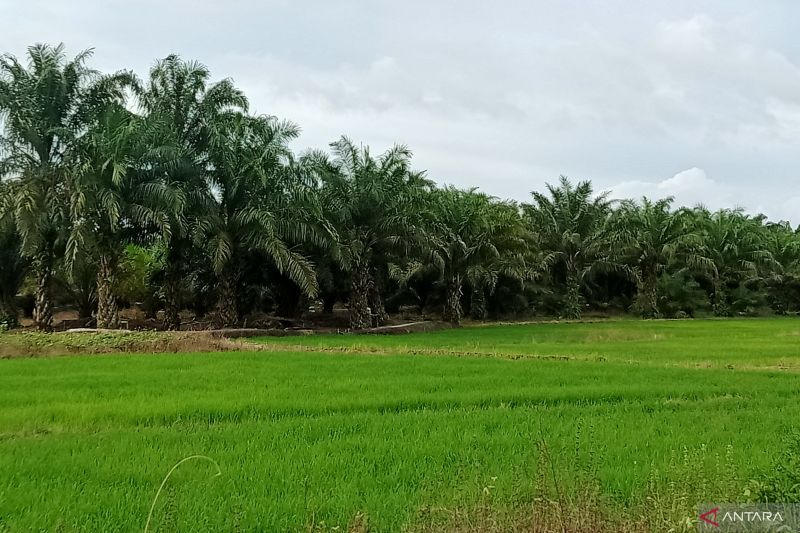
699	100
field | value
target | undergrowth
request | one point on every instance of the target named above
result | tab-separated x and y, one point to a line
35	344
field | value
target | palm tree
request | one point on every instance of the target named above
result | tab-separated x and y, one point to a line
734	251
571	232
115	194
650	237
45	106
783	281
473	239
373	205
14	264
262	204
180	95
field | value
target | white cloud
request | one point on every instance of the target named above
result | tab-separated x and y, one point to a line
688	187
692	187
687	180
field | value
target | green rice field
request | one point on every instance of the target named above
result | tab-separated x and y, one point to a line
314	433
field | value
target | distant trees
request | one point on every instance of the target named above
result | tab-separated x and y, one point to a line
114	193
783	283
168	193
13	265
472	239
735	253
180	96
570	229
261	204
374	205
47	106
649	237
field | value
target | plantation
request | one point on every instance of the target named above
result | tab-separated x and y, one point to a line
163	202
624	424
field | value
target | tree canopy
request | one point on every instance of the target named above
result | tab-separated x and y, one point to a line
168	195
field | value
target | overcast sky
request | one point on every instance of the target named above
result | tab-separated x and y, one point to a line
695	99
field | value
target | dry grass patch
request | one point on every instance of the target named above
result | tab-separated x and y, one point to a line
34	344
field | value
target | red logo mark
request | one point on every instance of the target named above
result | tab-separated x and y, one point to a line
710	517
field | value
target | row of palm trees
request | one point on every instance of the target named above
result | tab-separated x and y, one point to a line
100	169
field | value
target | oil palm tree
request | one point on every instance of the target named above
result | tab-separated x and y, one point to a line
473	239
180	94
262	206
650	236
14	264
734	252
570	227
783	281
46	106
373	204
115	195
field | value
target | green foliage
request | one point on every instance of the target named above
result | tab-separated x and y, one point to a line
263	205
733	253
783	284
570	227
781	482
93	163
136	269
47	106
469	239
373	204
651	238
180	97
680	296
13	264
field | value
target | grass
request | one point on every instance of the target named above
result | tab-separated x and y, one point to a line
312	436
37	344
712	343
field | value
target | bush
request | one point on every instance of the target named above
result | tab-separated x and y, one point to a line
8	322
680	296
745	301
134	280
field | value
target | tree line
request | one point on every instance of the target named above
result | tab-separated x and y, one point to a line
168	193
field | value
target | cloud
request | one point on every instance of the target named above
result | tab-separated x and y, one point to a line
502	96
688	187
692	187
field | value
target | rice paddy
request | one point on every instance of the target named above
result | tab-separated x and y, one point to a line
321	432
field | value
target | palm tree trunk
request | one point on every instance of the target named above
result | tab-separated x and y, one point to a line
379	314
227	309
719	300
647	295
42	310
452	305
359	297
107	307
477	304
573	302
